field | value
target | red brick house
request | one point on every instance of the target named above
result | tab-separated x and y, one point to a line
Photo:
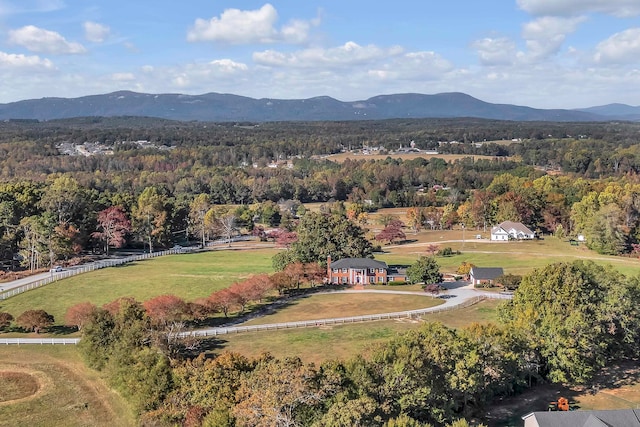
354	271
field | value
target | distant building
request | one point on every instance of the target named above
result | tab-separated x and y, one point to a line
608	418
484	275
511	230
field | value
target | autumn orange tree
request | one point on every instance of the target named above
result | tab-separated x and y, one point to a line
5	319
114	225
35	320
78	315
165	309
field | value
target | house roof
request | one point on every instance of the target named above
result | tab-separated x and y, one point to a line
498	230
517	226
358	263
486	273
608	418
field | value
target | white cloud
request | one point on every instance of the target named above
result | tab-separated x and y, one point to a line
619	8
620	48
416	66
346	55
11	60
30	6
228	66
235	26
40	40
96	32
123	77
495	51
545	36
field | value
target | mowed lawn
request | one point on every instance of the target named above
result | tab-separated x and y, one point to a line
326	306
514	257
67	393
343	342
188	276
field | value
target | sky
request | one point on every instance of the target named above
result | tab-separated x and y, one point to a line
538	53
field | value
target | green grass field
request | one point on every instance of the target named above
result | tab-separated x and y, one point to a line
343	342
327	306
513	257
189	276
66	393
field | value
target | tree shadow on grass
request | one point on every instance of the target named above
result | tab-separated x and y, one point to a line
617	375
61	330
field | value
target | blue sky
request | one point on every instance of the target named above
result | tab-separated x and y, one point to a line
540	53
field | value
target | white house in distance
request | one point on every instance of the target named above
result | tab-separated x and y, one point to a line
511	230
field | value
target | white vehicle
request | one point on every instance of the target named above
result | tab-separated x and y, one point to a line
55	269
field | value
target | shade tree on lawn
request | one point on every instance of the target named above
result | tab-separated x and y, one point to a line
325	234
35	320
425	270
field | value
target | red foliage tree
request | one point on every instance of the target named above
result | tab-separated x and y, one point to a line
314	273
432	249
201	308
257	286
223	300
295	271
282	281
5	319
113	307
286	238
35	320
165	309
391	233
77	315
115	225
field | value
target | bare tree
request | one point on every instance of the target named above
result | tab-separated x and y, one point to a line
227	224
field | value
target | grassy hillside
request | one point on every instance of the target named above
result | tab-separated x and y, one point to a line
189	276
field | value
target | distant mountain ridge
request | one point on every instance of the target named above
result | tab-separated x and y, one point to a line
217	107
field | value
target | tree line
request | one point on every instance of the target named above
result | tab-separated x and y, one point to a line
61	219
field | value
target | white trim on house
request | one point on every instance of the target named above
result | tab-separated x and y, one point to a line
511	230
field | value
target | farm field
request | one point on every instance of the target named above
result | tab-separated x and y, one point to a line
188	276
325	306
343	342
515	257
50	386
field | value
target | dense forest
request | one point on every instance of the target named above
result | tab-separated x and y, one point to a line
202	180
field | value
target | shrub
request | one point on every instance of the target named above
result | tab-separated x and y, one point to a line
447	252
396	283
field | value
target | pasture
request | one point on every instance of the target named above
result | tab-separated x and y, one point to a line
51	386
343	342
188	276
326	306
516	257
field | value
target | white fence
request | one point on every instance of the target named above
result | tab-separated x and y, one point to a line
85	269
336	321
288	325
41	341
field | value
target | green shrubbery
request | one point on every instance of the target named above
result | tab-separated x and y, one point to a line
397	283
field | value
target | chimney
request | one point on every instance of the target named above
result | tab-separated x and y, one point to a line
329	268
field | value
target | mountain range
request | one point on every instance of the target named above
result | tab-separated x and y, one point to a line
216	107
